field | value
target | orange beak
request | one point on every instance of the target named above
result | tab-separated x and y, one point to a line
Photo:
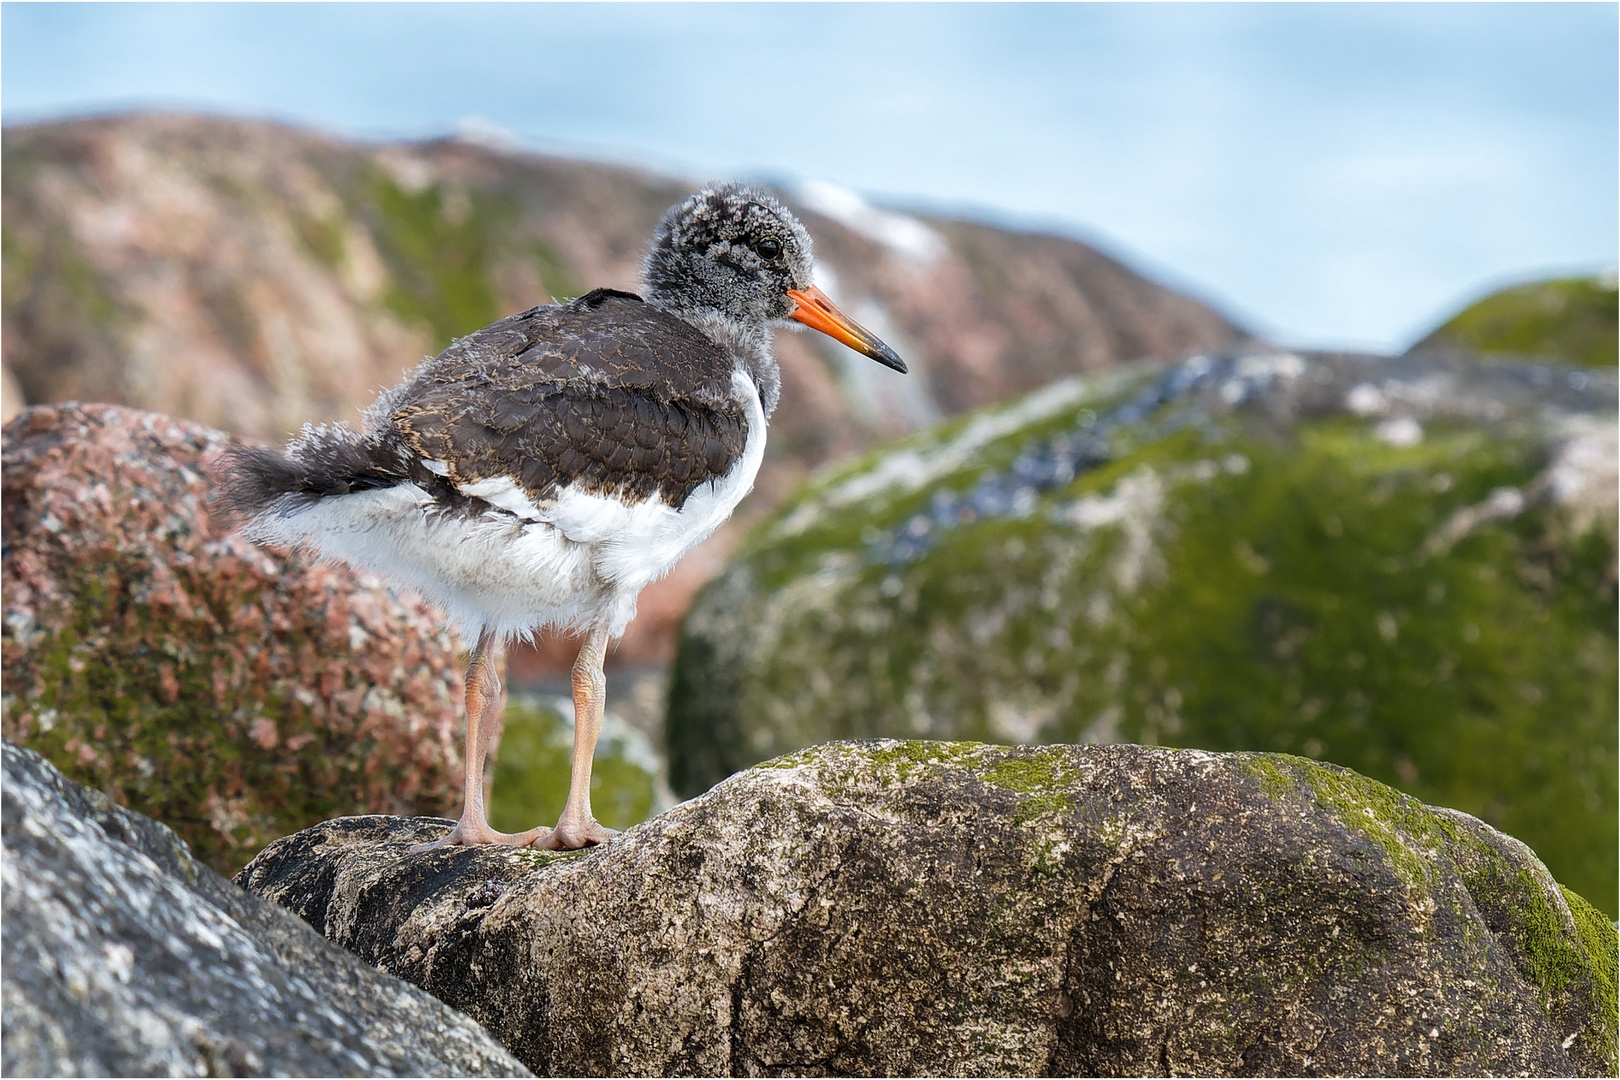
820	313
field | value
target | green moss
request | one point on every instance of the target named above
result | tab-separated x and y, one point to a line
1276	783
1036	772
532	768
18	260
1393	821
1556	963
798	760
65	313
71	270
1576	320
1046	851
1033	775
920	756
1304	612
1407	831
1599	939
1553	958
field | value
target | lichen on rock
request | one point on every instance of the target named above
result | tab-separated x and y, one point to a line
889	908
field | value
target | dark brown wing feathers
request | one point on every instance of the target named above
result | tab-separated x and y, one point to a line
605	392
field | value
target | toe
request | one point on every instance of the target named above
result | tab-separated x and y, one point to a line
599	834
449	839
573	835
472	834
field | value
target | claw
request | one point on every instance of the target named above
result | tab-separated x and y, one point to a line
470	834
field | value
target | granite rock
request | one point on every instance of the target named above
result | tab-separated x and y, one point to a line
126	957
894	908
235	693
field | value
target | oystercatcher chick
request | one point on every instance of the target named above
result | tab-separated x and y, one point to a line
540	472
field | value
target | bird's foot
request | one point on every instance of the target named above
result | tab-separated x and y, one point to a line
470	833
572	834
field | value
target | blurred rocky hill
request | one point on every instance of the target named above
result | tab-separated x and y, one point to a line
1405	566
253	277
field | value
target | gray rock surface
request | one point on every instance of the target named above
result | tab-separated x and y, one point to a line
960	909
126	957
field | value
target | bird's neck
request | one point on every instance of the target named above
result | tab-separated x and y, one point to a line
747	342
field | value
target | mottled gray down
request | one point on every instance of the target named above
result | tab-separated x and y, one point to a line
124	957
892	908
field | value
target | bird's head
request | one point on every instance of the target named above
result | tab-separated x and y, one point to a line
735	254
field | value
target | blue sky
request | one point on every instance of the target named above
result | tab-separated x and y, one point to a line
1328	174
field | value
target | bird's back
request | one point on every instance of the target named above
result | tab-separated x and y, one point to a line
605	393
606	336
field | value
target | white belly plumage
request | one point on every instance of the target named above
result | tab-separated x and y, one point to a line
578	562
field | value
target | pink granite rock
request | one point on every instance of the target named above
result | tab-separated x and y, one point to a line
234	693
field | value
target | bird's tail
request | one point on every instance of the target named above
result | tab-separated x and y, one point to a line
252	482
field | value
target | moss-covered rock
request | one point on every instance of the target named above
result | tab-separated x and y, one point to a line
1406	567
233	693
1576	320
924	908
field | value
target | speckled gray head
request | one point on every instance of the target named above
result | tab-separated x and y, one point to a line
731	249
734	254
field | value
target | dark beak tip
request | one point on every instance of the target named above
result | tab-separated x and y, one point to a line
889	359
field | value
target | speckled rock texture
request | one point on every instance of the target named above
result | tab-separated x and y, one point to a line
234	693
961	909
1405	566
126	957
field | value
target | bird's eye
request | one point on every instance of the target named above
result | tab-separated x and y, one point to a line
768	249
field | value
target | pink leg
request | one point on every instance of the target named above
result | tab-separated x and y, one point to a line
485	700
578	828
